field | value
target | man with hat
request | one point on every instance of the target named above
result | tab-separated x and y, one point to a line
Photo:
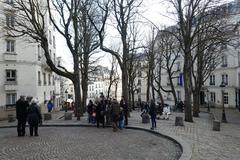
21	114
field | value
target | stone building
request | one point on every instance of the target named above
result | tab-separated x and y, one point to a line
23	66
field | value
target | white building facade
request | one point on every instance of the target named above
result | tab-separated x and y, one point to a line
228	72
23	68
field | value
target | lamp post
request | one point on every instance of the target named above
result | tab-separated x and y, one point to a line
208	100
224	119
66	92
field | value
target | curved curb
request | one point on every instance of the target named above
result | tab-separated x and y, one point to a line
185	147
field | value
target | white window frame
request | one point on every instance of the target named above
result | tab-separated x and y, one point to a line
213	96
225	97
225	79
10	46
11	78
11	99
10	20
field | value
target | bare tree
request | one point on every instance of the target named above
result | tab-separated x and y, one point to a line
30	19
124	13
89	43
150	52
189	19
113	76
215	31
169	51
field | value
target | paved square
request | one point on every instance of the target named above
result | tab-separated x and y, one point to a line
86	143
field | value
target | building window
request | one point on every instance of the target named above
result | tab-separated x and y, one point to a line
50	53
39	78
50	37
11	99
139	73
44	79
44	97
54	58
10	2
139	90
10	20
179	95
54	42
11	76
49	79
224	61
225	98
212	80
53	80
139	82
212	96
178	66
39	52
10	45
225	79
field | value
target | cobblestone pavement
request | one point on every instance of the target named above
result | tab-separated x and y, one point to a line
76	143
204	144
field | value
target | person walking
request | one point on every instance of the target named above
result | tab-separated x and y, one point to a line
21	114
34	117
152	113
50	106
124	105
115	111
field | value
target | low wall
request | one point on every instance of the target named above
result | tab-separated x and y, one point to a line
5	112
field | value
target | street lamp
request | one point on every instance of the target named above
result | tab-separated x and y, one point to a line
224	119
208	100
66	92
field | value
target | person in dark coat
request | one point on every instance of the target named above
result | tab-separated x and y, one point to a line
21	114
90	111
152	113
100	113
34	117
124	105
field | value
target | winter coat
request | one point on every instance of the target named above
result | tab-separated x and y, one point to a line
115	109
152	110
34	116
21	110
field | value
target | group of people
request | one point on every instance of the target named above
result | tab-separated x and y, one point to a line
27	110
152	109
108	111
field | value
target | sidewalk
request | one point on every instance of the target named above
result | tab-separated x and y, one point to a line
200	142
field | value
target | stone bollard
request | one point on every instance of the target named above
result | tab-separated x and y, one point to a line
67	116
216	125
179	121
47	116
145	118
11	118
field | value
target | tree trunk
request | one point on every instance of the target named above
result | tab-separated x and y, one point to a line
84	93
188	87
172	88
125	84
77	96
152	85
133	103
148	87
196	102
77	89
116	87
